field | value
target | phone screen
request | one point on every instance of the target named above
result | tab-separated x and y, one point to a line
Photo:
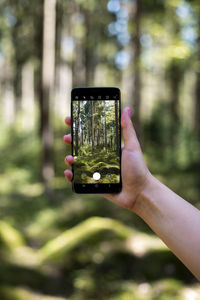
96	138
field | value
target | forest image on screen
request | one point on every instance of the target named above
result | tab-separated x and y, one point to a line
96	141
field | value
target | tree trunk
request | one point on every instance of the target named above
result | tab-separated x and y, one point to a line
27	101
7	93
136	48
88	134
175	77
92	120
78	66
90	49
8	104
47	83
197	91
78	63
98	136
77	129
117	127
105	131
81	136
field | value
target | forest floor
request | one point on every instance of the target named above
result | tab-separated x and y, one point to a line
104	162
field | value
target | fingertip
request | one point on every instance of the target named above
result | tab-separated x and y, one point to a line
125	113
68	120
68	175
66	172
69	159
128	131
67	139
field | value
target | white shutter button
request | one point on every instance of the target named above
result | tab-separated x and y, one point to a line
96	176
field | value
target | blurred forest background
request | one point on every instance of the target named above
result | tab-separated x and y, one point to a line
58	245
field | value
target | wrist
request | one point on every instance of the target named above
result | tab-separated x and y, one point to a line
145	195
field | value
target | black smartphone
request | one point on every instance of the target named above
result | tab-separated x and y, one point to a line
96	139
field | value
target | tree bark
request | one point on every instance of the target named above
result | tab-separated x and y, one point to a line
92	120
105	131
117	127
90	49
136	48
98	137
81	136
28	96
77	129
197	89
175	77
47	83
78	63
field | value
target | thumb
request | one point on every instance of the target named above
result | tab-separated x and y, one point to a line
130	139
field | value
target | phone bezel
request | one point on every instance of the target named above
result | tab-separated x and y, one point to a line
96	188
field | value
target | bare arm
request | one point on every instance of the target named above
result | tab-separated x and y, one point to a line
172	218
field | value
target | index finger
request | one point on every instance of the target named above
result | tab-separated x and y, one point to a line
68	120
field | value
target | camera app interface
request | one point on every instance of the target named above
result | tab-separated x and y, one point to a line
96	141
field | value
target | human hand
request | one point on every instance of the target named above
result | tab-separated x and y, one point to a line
135	174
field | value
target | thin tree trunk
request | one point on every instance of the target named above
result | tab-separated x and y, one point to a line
27	101
8	104
7	93
78	66
48	61
90	49
92	120
81	136
117	127
98	136
197	91
88	134
136	48
105	131
78	63
175	77
77	129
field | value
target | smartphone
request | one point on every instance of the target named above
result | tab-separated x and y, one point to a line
96	140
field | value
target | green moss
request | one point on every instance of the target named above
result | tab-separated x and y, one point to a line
10	238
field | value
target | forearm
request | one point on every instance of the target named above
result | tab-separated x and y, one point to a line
174	220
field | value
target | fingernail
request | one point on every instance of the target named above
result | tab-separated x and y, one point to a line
129	112
65	172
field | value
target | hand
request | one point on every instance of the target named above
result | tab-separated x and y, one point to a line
135	174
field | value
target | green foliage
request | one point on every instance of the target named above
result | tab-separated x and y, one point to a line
9	237
106	164
69	239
